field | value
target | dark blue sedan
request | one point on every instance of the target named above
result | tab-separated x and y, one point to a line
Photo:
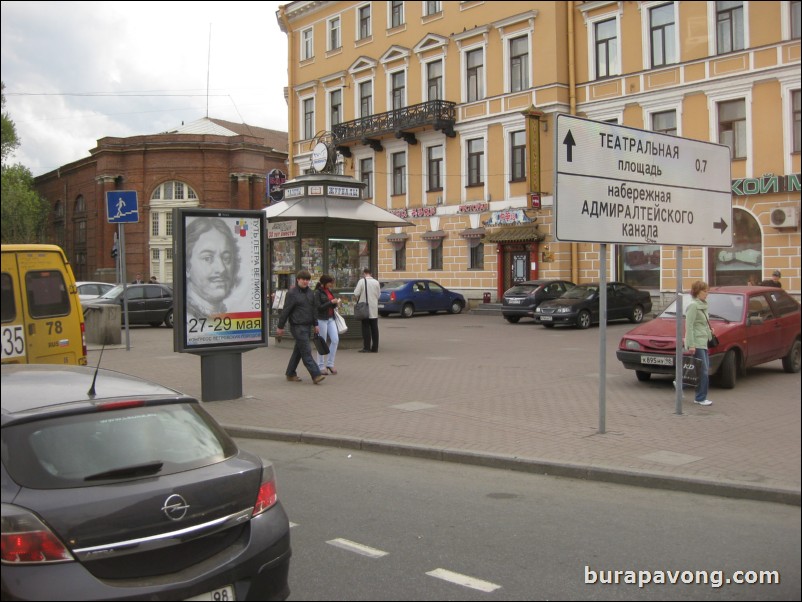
407	297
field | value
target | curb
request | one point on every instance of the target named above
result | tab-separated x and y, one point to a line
530	465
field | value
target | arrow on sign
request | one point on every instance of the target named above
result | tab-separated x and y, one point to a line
570	144
722	225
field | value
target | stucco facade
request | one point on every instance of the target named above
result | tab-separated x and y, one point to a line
427	104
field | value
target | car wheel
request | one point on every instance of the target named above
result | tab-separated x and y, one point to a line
168	319
407	310
791	362
643	376
456	307
512	319
637	314
728	371
583	319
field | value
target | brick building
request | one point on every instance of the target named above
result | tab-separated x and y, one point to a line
209	163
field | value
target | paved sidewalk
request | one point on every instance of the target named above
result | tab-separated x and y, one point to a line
473	388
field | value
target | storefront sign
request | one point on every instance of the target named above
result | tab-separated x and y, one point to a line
414	212
478	207
315	191
350	192
768	184
294	193
275	178
507	217
282	230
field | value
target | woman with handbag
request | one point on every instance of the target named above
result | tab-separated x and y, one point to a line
697	335
325	306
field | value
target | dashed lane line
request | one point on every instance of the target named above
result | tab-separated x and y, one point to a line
352	546
464	580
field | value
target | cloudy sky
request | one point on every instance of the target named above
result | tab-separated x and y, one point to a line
75	72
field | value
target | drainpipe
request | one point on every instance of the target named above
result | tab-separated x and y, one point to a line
572	109
284	23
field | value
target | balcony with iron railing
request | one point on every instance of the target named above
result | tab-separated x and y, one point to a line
402	123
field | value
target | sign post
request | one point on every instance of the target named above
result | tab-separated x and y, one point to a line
615	184
122	207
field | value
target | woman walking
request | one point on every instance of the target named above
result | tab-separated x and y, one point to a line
697	334
325	304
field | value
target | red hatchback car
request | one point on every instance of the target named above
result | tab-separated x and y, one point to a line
754	325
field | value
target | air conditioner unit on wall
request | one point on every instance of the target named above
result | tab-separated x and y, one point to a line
784	217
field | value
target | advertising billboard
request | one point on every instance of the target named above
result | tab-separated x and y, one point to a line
219	280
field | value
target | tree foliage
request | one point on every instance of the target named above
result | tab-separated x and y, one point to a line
23	212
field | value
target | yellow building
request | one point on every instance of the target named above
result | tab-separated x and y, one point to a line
446	110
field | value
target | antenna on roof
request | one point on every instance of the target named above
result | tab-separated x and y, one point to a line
208	69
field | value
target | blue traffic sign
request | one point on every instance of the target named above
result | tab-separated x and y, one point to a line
122	207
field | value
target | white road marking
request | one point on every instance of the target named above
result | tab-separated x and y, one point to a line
464	580
352	546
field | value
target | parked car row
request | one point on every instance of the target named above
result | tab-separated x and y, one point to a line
147	303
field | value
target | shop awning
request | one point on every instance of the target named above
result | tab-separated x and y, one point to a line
433	235
334	208
398	237
526	233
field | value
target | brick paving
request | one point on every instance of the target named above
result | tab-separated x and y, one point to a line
473	388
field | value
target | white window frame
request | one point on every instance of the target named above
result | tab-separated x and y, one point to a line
390	75
712	38
650	110
713	100
307	39
425	79
358	98
464	71
390	15
302	115
330	28
788	86
329	93
464	136
424	10
506	40
646	12
358	30
391	148
591	29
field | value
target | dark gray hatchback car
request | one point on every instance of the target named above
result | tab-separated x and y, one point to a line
117	488
521	300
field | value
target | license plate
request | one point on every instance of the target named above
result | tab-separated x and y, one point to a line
381	306
545	318
657	360
222	594
514	301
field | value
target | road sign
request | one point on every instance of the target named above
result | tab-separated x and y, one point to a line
122	207
615	184
275	178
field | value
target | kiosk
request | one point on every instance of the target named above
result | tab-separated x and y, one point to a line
323	226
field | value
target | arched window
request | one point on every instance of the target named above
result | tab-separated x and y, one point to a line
163	200
743	261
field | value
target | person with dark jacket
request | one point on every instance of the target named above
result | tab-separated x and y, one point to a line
774	280
299	309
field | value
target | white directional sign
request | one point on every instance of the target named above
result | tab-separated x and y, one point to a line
615	184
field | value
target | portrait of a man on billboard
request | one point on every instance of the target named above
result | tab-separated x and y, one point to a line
221	282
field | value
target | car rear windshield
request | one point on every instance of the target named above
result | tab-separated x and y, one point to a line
522	289
394	285
105	446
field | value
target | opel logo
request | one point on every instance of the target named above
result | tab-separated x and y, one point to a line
175	507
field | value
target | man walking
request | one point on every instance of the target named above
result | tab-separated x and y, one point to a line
368	289
300	311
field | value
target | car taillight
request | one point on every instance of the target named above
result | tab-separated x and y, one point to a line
27	540
268	495
392	296
83	360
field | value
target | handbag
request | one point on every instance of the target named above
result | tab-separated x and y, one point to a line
321	345
361	309
342	327
713	340
691	370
